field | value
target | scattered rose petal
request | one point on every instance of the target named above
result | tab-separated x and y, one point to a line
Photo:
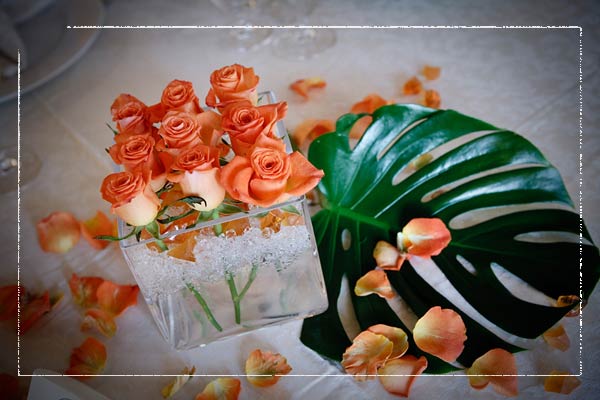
431	99
8	301
430	72
375	281
177	383
360	126
101	320
99	225
267	366
84	289
33	310
221	389
302	86
309	130
396	335
387	256
87	359
424	237
369	104
367	353
488	369
408	367
9	387
115	298
568	300
441	332
557	337
561	384
58	232
412	86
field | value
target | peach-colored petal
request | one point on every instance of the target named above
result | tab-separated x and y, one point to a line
490	368
84	289
397	376
87	359
441	332
9	301
33	311
367	353
309	130
264	368
304	175
430	72
116	298
561	384
221	389
102	320
100	224
58	232
302	86
431	99
177	383
387	256
568	300
375	281
412	86
203	184
396	335
424	237
557	337
369	104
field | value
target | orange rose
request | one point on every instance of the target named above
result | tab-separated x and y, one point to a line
268	175
137	153
230	84
177	96
245	123
197	172
131	197
178	130
130	115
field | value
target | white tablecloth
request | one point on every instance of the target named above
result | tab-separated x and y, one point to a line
525	80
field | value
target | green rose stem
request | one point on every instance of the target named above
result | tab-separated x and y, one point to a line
218	228
205	307
237	298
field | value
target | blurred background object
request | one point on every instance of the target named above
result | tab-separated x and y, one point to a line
245	13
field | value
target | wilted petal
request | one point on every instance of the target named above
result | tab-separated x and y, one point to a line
115	298
302	86
490	367
367	353
441	332
87	359
424	237
99	225
221	389
375	281
561	384
267	365
387	256
396	335
174	386
9	301
33	310
397	376
557	337
58	232
84	289
102	320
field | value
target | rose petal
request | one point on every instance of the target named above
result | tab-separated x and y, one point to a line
87	359
302	86
396	335
367	353
185	249
561	384
309	130
387	256
557	337
430	72
304	175
488	368
375	281
102	320
115	298
431	98
100	224
268	366
424	237
58	232
84	289
9	301
33	311
360	126
412	86
177	383
221	389
397	376
369	104
441	332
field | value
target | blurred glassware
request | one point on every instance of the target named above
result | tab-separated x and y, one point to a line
247	13
299	43
9	168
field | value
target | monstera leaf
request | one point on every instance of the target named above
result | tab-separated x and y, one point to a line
471	167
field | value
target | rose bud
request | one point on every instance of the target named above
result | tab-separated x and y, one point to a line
58	232
130	115
230	84
131	197
197	172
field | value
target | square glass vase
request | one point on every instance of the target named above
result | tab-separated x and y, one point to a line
230	275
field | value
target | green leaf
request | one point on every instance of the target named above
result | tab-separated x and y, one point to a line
372	191
291	209
191	200
172	218
229	209
154	230
135	231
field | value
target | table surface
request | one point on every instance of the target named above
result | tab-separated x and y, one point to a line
526	80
